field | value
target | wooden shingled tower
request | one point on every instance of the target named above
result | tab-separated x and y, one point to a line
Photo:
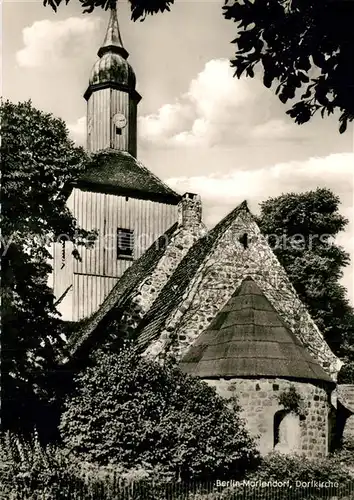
116	196
247	338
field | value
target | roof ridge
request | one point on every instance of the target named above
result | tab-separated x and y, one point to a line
230	217
142	166
130	278
168	299
117	171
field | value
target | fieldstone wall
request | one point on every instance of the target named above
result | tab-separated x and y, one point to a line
151	286
259	403
345	395
191	228
348	431
190	211
218	277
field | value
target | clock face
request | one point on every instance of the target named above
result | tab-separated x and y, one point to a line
119	120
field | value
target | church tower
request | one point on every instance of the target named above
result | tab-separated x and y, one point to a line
111	96
118	197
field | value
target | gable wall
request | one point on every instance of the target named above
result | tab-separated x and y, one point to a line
151	286
139	304
218	277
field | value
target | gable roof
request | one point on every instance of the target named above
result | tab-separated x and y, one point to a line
118	296
115	171
247	338
172	293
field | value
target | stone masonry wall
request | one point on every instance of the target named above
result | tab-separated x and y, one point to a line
191	228
151	286
345	394
259	403
219	276
190	211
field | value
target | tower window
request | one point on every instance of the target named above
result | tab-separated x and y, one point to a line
63	253
125	243
118	131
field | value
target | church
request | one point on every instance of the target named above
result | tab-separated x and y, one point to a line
218	300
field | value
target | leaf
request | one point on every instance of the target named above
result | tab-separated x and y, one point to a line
343	126
283	97
250	71
303	77
307	94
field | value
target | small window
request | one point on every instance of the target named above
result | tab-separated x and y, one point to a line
125	243
63	253
244	240
118	131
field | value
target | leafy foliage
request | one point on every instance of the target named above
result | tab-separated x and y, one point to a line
27	470
38	159
133	411
291	400
304	48
139	8
293	470
280	467
346	374
277	467
301	229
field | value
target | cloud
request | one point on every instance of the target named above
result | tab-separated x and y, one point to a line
77	131
224	191
52	42
218	109
221	193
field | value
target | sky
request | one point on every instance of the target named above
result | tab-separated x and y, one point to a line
199	129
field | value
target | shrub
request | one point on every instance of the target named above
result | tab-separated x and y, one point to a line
133	411
280	468
291	400
32	472
346	374
276	466
27	470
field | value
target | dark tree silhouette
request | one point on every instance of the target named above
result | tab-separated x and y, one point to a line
301	228
38	159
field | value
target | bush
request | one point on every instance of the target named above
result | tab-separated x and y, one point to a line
346	374
27	470
32	472
283	468
276	466
292	400
132	411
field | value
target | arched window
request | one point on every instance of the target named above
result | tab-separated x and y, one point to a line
278	417
287	431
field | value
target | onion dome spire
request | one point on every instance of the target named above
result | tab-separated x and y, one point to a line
113	41
112	66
